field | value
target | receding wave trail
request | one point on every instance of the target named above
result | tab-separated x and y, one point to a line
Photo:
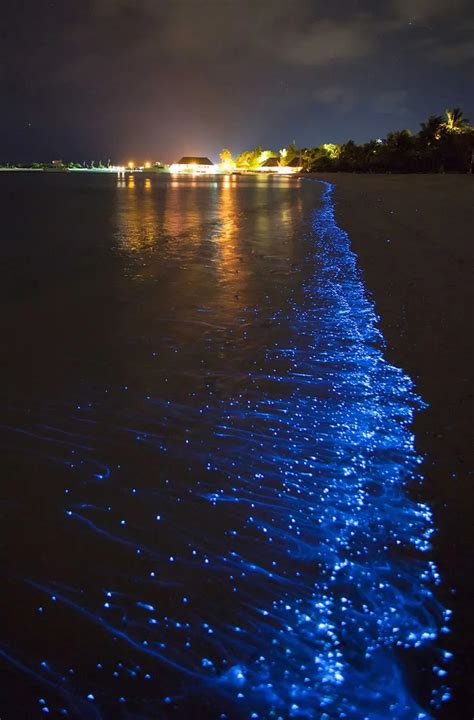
278	566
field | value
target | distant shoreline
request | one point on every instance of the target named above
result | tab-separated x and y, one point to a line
64	171
15	169
317	175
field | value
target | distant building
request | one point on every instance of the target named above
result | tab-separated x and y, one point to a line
195	165
270	165
274	165
295	165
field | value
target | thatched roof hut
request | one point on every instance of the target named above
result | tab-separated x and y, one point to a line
190	160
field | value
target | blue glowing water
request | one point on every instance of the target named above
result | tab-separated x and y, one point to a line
253	554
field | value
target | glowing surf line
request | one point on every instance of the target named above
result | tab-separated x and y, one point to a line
369	601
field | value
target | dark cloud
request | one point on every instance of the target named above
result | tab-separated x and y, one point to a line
166	77
341	96
453	50
455	53
391	102
330	41
430	9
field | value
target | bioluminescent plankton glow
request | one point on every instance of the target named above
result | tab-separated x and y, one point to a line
257	555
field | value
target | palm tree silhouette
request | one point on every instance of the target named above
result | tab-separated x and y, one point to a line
431	129
455	120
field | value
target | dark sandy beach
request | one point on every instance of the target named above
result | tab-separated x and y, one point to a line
413	237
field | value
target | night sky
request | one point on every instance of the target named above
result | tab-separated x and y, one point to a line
157	79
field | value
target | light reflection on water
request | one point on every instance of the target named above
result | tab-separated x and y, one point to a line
223	524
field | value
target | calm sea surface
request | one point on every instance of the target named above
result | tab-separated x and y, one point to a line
203	500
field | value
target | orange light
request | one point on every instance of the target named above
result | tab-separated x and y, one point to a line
148	165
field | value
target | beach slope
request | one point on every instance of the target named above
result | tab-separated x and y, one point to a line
413	235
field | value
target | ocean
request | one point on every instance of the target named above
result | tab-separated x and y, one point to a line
208	464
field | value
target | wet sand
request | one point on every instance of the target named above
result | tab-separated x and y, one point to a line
413	236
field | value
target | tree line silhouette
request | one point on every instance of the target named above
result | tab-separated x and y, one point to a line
443	144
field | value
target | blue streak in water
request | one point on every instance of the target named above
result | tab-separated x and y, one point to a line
114	631
77	707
